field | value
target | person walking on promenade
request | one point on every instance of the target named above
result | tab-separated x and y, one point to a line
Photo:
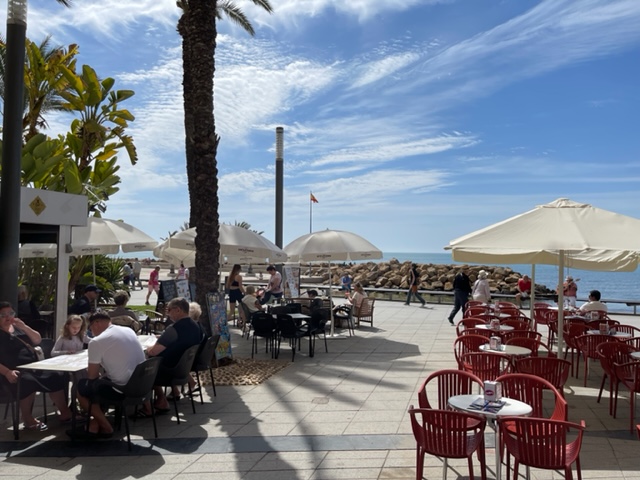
154	283
481	290
414	281
137	270
461	292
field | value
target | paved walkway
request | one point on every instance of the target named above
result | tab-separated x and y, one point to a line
338	415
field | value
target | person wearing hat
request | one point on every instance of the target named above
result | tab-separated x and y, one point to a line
481	291
570	291
524	290
85	303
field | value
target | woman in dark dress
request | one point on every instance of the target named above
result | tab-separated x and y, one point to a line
235	288
17	342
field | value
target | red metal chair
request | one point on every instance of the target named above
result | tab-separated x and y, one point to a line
506	336
467	344
597	315
468	323
635	341
542	443
473	311
630	329
485	366
516	324
571	332
485	332
587	346
530	389
532	344
541	305
595	324
448	434
543	316
629	375
610	353
506	305
553	370
487	317
448	382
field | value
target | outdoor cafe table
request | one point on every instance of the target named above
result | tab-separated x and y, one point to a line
511	350
502	328
511	407
618	335
73	364
299	318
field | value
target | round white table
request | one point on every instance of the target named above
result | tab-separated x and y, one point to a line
612	334
512	350
502	328
511	408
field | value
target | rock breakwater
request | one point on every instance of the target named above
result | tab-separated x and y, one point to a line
438	277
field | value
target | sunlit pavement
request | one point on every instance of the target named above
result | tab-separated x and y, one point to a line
337	415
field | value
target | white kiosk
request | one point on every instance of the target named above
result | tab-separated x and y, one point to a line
47	217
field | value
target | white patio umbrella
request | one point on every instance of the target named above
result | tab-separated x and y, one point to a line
38	250
237	245
331	246
102	236
561	233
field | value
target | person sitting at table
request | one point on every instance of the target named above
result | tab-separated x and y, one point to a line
27	310
121	298
182	334
524	290
85	303
358	296
117	352
251	301
594	303
17	347
274	289
316	302
72	338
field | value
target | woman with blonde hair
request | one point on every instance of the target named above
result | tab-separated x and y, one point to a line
481	291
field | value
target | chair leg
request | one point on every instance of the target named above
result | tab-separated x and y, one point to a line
213	381
175	406
604	377
126	424
200	386
193	404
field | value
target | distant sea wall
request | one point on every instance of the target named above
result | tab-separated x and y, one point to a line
438	277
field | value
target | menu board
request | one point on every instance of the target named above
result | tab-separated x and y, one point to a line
291	281
182	288
217	308
168	290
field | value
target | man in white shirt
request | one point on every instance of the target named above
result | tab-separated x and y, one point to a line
118	352
594	303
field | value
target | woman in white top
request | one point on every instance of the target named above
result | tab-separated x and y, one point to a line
481	291
357	296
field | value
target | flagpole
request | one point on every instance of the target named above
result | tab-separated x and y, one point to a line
310	213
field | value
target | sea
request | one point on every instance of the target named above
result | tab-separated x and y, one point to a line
612	285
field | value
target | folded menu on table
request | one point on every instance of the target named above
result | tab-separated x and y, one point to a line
486	406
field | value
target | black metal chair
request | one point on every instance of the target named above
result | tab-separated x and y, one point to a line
137	391
286	327
203	361
318	326
7	397
178	376
264	326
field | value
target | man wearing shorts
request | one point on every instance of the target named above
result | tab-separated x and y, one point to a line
154	283
117	351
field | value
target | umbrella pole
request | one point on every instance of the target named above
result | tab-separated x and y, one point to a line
560	304
93	261
532	296
333	320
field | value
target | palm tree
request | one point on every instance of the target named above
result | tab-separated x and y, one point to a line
197	27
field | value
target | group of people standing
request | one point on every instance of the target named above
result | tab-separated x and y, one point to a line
252	299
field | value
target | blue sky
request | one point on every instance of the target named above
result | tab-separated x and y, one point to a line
412	121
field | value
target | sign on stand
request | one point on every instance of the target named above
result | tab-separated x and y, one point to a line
217	308
291	281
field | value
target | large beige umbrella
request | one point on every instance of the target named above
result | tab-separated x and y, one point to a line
237	245
561	233
331	246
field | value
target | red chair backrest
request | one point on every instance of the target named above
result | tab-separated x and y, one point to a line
587	343
468	323
485	366
530	389
553	370
613	352
448	383
467	344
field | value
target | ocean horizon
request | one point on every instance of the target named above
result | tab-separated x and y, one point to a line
612	285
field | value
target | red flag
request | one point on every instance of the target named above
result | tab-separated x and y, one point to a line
313	199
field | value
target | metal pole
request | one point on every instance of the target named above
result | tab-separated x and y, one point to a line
279	183
310	214
12	150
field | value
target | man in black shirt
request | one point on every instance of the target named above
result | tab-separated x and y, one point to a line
85	303
461	292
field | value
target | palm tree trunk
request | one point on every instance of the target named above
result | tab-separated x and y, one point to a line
198	30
